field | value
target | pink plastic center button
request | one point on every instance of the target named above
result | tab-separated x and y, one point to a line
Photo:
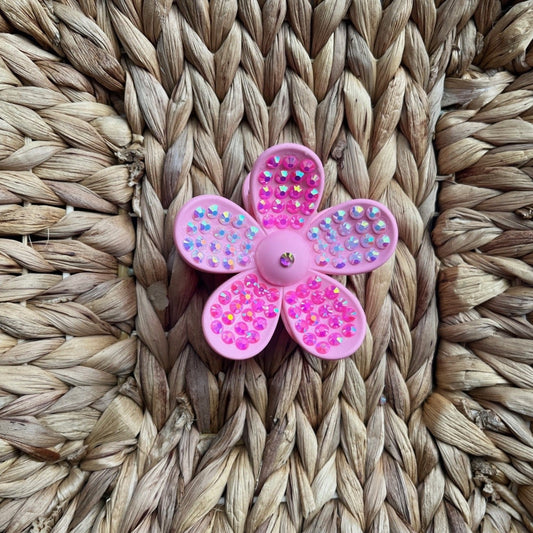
283	258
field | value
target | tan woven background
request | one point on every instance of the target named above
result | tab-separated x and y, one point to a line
114	413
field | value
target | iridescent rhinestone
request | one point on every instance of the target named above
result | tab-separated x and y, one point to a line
198	213
212	211
233	237
282	191
318	297
379	226
312	194
335	339
349	314
282	176
277	206
235	307
291	297
306	306
252	232
336	249
216	310
197	256
307	165
263	206
273	161
216	326
245	297
344	228
321	260
349	330
260	289
191	228
362	226
368	240
227	337
383	242
355	258
309	339
296	191
241	328
357	212
322	347
351	243
313	233
248	315
332	292
294	206
339	216
228	318
282	221
204	226
301	326
239	221
320	246
224	297
297	222
339	262
308	208
330	236
335	322
252	336
246	247
243	260
265	177
215	246
294	312
312	319
302	291
219	233
228	263
298	176
260	323
258	305
213	261
225	217
321	330
250	280
314	282
313	180
271	311
340	305
286	259
269	221
325	224
373	212
289	162
200	242
188	243
325	311
265	192
273	295
371	255
242	343
230	250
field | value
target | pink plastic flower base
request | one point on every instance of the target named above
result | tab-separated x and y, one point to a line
281	252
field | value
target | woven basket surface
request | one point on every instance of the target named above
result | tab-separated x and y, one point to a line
115	415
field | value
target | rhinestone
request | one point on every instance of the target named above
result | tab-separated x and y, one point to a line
224	297
349	314
349	330
204	226
265	177
351	243
289	162
362	226
197	256
265	192
321	330
335	340
383	242
200	242
325	311
241	328
228	318
311	194
371	255
212	211
216	311
332	292
296	191
242	343
219	234
282	191
228	337
297	222
313	234
273	295
302	291
308	208
239	221
291	297
309	339
379	226
263	206
307	165
314	283
216	326
233	237
213	261
355	258
198	213
245	297
271	311
373	212
260	289
246	247
258	305
330	236
322	348
367	240
282	176
321	260
250	280
312	319
235	307
252	336
313	180
188	243
340	305
282	221
317	297
269	221
320	246
273	161
294	312
260	323
344	228
325	224
336	249
243	260
301	326
251	232
191	228
286	260
293	206
229	250
339	216
224	217
228	263
248	315
298	176
215	246
335	322
277	206
339	262
357	212
306	306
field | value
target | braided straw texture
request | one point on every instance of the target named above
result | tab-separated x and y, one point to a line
115	415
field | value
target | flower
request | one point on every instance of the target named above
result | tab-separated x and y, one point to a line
282	251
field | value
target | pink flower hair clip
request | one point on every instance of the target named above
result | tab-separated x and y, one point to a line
282	252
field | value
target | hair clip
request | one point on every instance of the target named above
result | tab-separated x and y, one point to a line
282	251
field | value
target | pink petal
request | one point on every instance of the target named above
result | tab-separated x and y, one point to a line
240	317
324	317
285	187
216	235
353	237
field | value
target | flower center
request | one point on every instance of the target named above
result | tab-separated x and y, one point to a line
283	257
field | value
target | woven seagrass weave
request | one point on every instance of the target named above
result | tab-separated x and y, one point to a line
115	415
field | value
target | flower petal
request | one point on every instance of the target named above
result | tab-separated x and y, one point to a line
240	317
284	187
353	237
216	235
324	317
